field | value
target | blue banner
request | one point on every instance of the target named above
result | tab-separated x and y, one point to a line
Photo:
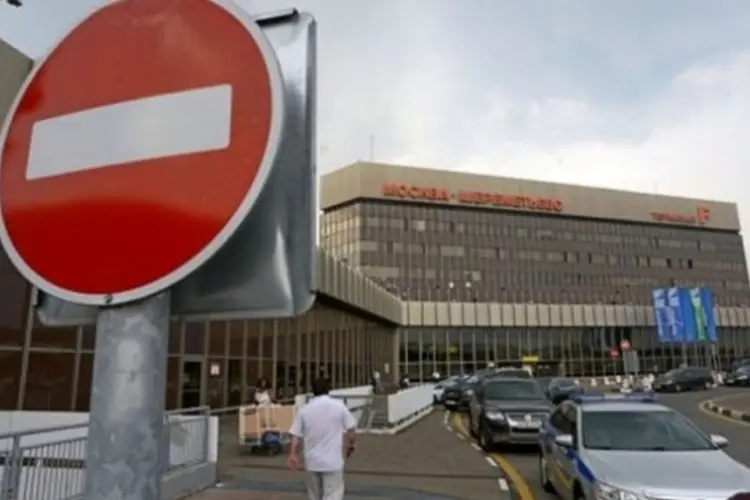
660	313
684	315
689	320
706	304
675	316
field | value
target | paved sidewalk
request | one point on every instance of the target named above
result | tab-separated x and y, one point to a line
425	461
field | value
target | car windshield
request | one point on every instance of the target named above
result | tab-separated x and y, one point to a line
563	382
513	389
641	431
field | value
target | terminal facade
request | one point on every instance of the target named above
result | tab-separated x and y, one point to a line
454	242
358	324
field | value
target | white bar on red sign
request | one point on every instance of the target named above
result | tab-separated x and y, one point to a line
178	123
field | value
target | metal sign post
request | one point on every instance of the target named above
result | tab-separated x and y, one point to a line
147	215
124	458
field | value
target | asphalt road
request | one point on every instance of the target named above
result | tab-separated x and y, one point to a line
738	433
524	462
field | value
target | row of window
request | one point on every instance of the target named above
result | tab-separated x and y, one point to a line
215	363
575	352
540	279
557	257
471	217
487	343
510	231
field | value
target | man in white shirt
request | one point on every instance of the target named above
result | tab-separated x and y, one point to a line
325	429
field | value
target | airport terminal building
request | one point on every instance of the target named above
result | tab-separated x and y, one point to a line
565	271
423	271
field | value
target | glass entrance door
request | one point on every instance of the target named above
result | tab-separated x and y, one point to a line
192	383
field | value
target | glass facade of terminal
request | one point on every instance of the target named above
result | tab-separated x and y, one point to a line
433	252
212	363
553	351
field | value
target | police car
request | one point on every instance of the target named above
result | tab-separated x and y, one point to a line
630	447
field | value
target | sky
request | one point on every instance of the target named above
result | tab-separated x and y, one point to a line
630	94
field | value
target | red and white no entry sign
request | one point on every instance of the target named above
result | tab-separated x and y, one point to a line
137	147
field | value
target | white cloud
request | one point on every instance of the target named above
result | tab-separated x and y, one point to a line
628	96
694	141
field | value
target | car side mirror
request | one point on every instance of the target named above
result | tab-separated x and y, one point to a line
564	440
719	441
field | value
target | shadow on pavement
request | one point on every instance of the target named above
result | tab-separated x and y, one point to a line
267	490
425	461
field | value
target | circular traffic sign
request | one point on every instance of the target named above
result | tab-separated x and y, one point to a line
624	344
137	147
614	352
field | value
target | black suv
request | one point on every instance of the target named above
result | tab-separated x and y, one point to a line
456	397
684	379
505	410
560	389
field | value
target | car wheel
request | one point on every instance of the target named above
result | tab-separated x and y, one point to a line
544	475
484	443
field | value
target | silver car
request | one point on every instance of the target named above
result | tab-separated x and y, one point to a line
629	447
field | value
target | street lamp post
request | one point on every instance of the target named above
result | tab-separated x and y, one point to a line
467	290
449	296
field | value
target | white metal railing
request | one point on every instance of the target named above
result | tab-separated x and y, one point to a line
50	463
409	403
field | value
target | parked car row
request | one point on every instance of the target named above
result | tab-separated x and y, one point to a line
582	436
456	392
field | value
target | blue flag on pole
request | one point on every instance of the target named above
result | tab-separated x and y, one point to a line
699	314
660	314
707	301
690	320
675	323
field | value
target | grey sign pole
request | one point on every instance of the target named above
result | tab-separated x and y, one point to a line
124	456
